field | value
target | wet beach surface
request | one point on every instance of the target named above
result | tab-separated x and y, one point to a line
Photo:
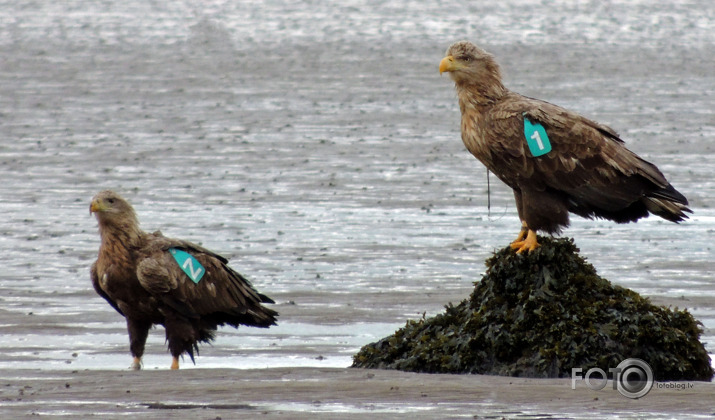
317	147
320	393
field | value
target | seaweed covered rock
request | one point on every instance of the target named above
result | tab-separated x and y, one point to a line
539	315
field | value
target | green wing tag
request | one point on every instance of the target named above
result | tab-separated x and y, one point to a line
536	138
191	266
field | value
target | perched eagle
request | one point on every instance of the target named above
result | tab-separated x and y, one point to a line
151	279
555	160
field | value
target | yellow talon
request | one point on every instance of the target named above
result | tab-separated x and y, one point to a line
136	364
522	233
174	363
529	244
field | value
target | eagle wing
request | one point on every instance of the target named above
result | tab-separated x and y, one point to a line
98	288
221	290
588	160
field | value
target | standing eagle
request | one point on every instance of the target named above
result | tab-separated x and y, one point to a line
555	160
151	279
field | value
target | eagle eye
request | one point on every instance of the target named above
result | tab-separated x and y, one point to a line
110	200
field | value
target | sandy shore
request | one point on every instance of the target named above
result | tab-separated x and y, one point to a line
311	393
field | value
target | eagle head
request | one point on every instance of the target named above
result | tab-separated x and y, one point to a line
468	64
110	208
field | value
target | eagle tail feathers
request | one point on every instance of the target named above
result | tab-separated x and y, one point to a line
667	208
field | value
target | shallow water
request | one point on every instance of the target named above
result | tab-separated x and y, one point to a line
316	145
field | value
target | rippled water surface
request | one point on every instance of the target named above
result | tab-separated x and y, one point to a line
316	145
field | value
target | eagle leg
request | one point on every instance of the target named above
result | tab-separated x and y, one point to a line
174	363
138	332
529	244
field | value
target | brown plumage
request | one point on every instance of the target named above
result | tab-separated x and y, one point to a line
588	171
138	276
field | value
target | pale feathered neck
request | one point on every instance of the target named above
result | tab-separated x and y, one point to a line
122	230
482	88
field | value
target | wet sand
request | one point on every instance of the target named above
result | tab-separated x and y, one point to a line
313	393
317	147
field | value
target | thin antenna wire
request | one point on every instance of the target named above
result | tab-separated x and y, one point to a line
489	201
489	197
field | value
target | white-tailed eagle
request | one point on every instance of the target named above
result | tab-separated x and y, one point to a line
555	160
151	279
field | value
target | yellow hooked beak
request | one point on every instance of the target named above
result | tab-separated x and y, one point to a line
447	64
95	207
